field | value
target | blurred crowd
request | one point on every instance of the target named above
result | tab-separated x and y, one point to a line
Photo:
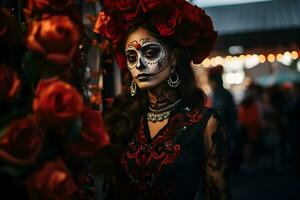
264	126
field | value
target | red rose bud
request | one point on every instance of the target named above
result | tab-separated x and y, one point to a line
93	135
56	102
56	37
21	142
9	83
51	182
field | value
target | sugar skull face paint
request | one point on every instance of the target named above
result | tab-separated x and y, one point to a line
148	55
148	59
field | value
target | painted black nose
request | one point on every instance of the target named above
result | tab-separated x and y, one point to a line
140	65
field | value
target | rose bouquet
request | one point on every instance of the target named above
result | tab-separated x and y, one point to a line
49	137
179	20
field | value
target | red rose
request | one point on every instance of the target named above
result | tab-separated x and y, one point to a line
51	182
167	27
109	27
129	9
115	30
56	37
101	22
9	83
156	5
93	135
21	142
56	101
192	24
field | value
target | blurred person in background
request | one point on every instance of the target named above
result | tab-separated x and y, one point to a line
250	126
293	128
273	134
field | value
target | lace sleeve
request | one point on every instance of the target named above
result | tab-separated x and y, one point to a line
217	174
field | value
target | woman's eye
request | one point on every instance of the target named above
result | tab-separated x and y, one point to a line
151	53
131	58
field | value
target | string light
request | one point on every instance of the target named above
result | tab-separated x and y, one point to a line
213	62
218	60
242	57
206	62
294	55
228	58
271	58
262	58
287	54
279	57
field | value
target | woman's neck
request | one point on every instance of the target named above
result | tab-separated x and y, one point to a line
162	96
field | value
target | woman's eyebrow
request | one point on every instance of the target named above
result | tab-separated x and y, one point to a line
144	41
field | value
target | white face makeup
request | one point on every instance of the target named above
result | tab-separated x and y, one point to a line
148	60
148	55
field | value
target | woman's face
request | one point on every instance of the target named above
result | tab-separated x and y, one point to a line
148	60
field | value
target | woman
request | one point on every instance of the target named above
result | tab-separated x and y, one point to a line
171	146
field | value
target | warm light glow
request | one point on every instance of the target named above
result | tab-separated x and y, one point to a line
287	58
248	56
228	58
252	61
262	58
234	77
287	54
271	58
219	60
294	55
242	57
279	57
213	62
206	62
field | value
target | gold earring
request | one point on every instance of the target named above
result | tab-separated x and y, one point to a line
133	88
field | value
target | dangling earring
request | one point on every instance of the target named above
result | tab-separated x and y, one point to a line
173	80
133	88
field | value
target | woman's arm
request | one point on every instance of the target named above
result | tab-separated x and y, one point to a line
217	174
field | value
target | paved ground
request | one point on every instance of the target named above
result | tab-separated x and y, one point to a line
265	187
266	179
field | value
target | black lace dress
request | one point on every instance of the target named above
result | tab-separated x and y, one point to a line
185	160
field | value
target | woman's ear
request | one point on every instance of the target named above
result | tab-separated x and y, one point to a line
174	56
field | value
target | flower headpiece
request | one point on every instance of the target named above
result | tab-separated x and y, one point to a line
188	25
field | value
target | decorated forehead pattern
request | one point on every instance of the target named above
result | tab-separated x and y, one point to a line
137	45
144	42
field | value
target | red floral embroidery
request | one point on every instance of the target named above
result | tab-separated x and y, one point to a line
143	160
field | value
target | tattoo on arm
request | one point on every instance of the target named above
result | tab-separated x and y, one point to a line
216	164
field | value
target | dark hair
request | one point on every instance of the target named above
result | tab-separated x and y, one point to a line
123	118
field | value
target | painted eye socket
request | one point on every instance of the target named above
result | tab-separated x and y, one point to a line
151	51
131	56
